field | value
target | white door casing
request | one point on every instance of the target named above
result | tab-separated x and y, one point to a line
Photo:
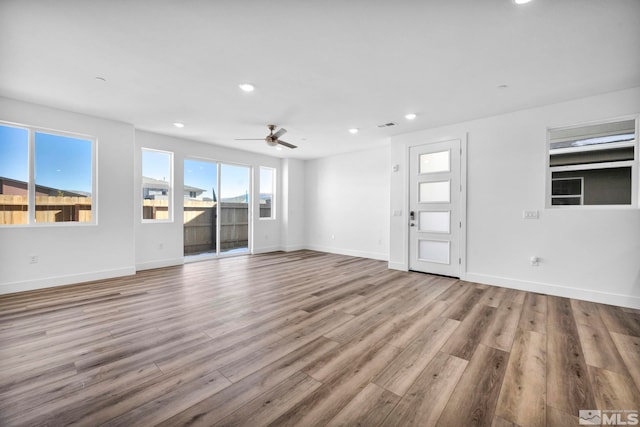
435	219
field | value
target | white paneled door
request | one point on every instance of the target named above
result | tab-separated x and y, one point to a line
434	208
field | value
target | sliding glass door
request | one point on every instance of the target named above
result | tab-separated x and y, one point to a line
200	207
234	208
217	198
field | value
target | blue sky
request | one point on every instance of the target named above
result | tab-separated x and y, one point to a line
60	162
266	180
202	174
156	164
14	153
234	181
65	163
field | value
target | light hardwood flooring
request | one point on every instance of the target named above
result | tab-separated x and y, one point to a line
306	339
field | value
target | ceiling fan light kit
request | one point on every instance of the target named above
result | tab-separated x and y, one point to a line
271	142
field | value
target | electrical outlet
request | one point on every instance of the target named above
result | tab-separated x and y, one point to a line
530	214
33	259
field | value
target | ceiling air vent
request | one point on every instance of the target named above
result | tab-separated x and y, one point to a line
386	125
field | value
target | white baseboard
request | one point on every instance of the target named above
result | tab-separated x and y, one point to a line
349	252
556	290
292	248
266	249
71	279
397	266
159	264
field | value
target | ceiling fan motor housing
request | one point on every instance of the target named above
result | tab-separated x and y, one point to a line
272	142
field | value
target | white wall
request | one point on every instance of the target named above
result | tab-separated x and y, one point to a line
161	244
292	214
342	204
591	254
347	203
120	243
75	253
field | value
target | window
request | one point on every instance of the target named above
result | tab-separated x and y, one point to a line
235	200
567	191
200	209
157	167
63	175
45	177
593	165
267	194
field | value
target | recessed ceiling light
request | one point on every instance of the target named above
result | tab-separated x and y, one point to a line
521	1
247	87
354	130
178	125
410	116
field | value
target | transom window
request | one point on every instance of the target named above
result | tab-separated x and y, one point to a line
594	165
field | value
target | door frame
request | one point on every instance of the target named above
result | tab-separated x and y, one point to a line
462	237
218	254
249	212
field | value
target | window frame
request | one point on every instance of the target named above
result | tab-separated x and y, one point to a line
274	181
31	173
633	164
568	196
170	191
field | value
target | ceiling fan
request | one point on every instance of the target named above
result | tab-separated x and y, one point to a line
273	139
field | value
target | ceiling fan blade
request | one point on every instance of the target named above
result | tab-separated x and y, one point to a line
286	144
280	132
249	139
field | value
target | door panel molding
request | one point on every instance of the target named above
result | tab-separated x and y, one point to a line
457	205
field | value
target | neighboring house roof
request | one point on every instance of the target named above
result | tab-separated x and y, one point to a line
164	185
44	189
154	183
188	188
146	182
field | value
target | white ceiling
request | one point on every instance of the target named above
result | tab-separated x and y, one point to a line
319	67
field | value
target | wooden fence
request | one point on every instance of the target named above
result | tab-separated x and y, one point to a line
200	226
14	209
199	218
200	223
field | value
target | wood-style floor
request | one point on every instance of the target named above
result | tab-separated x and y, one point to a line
308	339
